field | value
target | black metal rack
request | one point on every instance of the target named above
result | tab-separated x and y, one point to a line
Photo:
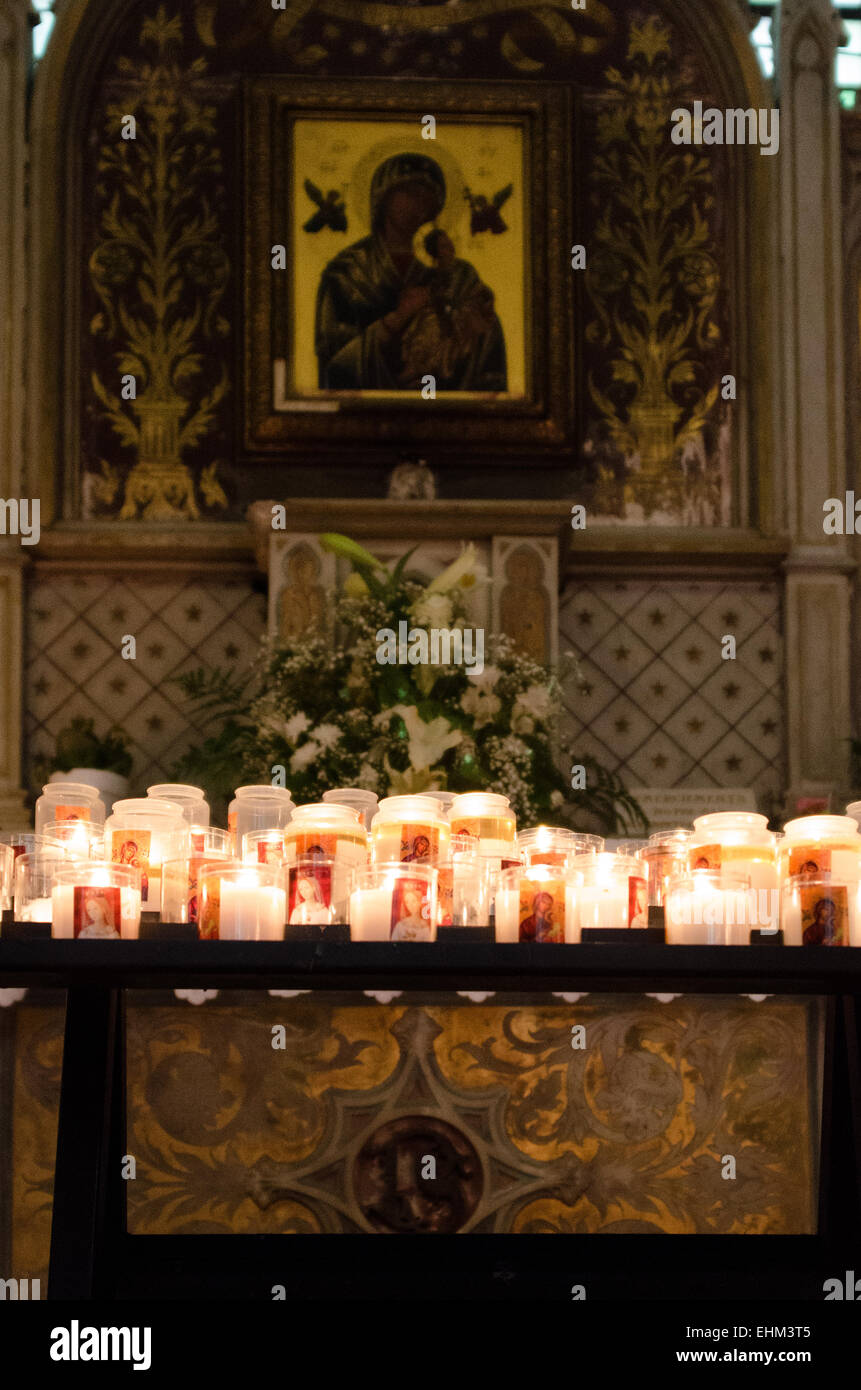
92	1256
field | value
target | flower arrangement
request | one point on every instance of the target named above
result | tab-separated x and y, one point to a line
331	711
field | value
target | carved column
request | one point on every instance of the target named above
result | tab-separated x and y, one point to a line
819	568
14	63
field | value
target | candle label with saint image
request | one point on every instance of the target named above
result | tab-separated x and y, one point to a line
418	842
192	901
270	851
411	910
133	847
542	909
706	857
208	927
198	841
72	814
484	827
638	902
810	861
445	895
310	889
824	915
97	913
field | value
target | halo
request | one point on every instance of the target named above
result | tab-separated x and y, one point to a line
359	191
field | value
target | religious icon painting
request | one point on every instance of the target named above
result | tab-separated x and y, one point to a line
97	913
824	915
310	893
133	847
411	910
394	264
542	910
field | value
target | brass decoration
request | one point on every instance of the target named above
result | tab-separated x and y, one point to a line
653	281
528	1134
534	26
160	271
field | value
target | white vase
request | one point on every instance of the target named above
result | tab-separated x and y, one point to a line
110	785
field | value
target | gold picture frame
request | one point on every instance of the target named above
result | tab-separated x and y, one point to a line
477	364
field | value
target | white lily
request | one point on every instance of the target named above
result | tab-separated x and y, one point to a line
462	573
427	742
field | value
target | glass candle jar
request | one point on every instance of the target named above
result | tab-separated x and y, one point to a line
411	829
180	887
551	844
261	808
394	901
815	846
820	910
666	858
77	838
325	830
7	876
193	801
738	841
96	901
444	800
614	892
710	907
357	799
142	832
488	818
264	847
241	902
318	891
537	902
72	801
210	839
34	883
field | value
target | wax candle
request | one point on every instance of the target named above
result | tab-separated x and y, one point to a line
531	904
666	858
72	801
394	902
412	829
241	902
818	845
737	842
551	844
486	817
261	808
709	908
143	832
96	901
614	893
821	910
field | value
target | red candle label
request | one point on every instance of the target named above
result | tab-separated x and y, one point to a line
810	861
638	903
824	915
542	910
310	889
270	851
706	857
411	919
97	913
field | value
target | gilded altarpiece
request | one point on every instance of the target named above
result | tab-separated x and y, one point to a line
162	251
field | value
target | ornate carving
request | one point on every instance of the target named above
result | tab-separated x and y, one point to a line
653	281
160	271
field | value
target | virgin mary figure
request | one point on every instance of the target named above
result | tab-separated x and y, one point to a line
373	295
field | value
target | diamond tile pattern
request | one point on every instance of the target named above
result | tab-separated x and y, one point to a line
661	706
76	625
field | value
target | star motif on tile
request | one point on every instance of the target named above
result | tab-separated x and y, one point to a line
621	726
696	726
118	615
659	761
41	686
193	613
80	650
656	618
694	653
118	684
231	651
731	690
766	654
733	764
659	690
769	726
155	722
622	653
730	619
587	688
41	614
584	618
155	651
